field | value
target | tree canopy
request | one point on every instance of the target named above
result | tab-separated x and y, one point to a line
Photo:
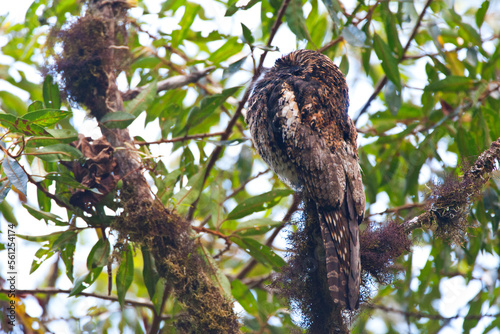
126	162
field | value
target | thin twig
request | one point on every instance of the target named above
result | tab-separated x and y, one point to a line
398	208
422	315
243	185
200	229
54	291
295	205
382	82
170	83
217	151
330	44
177	139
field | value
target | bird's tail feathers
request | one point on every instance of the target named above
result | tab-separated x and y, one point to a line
342	251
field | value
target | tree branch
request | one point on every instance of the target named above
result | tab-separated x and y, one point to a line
177	139
477	175
382	82
170	83
217	151
295	205
54	291
398	208
422	315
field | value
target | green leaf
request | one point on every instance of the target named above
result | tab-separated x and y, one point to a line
389	62
58	152
23	126
117	120
99	254
256	224
40	238
244	164
217	276
233	8
47	216
11	102
258	203
46	117
188	194
260	252
481	13
344	65
354	36
142	101
228	49
217	198
66	179
68	253
125	274
36	105
43	253
85	281
56	241
233	68
5	187
451	83
208	105
244	296
294	16
391	30
474	312
191	10
149	273
392	98
159	292
15	174
51	96
334	7
6	210
56	136
247	34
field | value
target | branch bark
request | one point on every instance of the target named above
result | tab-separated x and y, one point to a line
170	83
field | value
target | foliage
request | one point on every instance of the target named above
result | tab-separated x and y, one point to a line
431	68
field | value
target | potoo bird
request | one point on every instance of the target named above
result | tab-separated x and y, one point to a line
298	120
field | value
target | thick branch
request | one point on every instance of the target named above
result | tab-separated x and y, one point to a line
170	83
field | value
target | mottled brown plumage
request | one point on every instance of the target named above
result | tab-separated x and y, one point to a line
299	124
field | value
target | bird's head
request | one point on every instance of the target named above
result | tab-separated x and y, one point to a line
310	63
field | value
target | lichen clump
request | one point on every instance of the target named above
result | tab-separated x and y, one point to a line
86	58
449	205
168	238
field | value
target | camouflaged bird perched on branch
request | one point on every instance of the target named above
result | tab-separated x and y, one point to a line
299	124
